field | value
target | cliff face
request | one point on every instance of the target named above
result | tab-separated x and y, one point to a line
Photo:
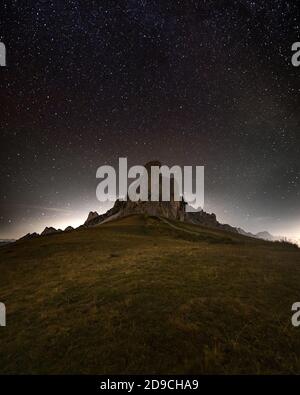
50	231
29	236
171	209
206	219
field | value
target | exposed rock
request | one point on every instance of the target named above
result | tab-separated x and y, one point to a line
100	218
50	231
29	236
92	215
206	219
172	210
266	236
169	209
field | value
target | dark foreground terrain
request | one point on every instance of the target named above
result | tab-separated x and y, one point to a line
142	295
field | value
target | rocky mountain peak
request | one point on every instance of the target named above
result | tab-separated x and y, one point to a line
92	215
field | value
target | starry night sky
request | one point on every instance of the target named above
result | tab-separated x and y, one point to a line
185	82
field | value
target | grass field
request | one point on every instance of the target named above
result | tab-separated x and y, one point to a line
139	295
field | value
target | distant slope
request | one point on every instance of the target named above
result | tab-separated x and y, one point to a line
141	295
266	236
6	241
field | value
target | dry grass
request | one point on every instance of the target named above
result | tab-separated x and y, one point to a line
137	296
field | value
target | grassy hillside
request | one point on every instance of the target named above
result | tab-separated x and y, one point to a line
139	295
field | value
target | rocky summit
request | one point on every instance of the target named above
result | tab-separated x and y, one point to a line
172	209
50	230
91	216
